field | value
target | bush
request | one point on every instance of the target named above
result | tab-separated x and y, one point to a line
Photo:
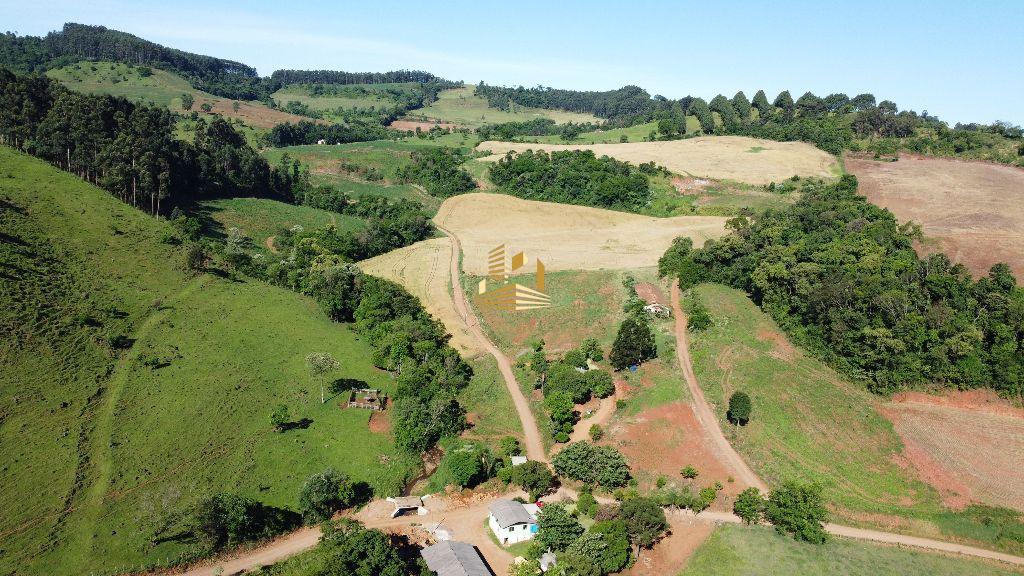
279	417
596	432
227	520
749	505
556	528
699	318
601	465
510	446
644	519
634	343
689	472
586	504
325	493
798	509
534	477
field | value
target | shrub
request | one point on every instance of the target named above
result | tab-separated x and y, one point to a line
534	477
601	465
689	472
749	505
556	528
324	493
596	432
279	417
644	519
798	509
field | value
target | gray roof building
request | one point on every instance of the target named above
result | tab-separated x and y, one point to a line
509	513
455	559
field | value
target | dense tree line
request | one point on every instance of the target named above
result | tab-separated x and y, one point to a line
438	170
573	177
532	127
843	279
624	105
286	77
129	149
306	132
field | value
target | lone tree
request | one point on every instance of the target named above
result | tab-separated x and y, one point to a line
645	521
634	343
324	493
739	408
321	364
534	477
279	417
187	101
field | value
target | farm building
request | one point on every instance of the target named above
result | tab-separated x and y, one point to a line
452	558
517	460
368	398
512	521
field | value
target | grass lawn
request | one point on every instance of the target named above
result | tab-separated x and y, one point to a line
812	424
488	404
463	107
755	551
103	446
260	218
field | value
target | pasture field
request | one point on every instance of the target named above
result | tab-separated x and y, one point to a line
462	107
489	408
677	196
753	551
738	158
811	424
132	389
635	133
972	211
162	88
565	237
362	96
261	218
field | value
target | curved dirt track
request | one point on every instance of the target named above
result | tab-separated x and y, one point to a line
707	419
531	433
701	409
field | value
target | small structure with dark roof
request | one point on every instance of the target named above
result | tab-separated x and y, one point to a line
512	521
452	558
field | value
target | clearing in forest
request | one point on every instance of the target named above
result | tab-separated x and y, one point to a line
138	83
974	211
738	158
566	237
461	106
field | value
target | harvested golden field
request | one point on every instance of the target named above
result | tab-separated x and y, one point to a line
565	237
973	211
423	269
967	445
736	158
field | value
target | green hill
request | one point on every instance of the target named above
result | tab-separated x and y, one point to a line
131	389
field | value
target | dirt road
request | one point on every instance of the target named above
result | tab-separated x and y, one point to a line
701	409
531	433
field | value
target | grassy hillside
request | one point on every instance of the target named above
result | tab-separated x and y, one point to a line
132	389
349	96
463	107
810	423
745	551
260	218
162	88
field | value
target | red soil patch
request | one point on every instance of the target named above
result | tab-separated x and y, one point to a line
651	293
412	125
380	422
673	552
972	211
782	350
256	115
967	445
663	440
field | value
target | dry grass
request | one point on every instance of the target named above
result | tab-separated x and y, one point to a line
423	269
565	237
974	210
736	158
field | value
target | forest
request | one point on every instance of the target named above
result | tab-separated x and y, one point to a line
842	278
130	150
627	105
573	177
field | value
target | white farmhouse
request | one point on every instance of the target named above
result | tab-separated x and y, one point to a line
512	521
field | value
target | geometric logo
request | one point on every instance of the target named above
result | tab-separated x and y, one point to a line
510	296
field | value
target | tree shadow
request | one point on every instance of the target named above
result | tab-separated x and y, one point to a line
342	385
300	424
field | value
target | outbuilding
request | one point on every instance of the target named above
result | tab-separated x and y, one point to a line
452	558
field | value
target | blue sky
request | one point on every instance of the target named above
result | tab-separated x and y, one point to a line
958	60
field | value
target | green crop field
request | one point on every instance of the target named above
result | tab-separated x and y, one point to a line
756	551
260	218
463	107
810	423
132	389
